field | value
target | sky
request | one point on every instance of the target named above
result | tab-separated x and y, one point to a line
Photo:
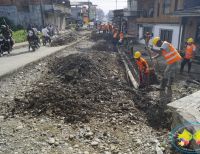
107	5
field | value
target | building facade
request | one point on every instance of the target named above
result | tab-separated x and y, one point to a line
37	12
155	16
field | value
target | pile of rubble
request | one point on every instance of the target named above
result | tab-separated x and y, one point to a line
82	86
64	39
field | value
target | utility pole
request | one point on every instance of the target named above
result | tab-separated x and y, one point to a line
116	4
88	10
54	16
42	12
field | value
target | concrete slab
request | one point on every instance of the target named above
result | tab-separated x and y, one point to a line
186	113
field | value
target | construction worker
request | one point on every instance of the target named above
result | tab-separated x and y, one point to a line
172	58
143	68
115	39
189	55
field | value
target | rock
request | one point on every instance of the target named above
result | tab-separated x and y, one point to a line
158	150
131	133
94	143
70	149
89	134
76	146
1	118
51	141
19	127
86	152
71	137
107	152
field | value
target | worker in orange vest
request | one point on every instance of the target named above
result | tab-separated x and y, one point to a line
172	58
143	68
121	38
189	55
115	39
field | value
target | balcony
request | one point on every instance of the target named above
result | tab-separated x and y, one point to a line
128	13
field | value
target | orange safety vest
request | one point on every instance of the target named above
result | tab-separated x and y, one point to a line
115	35
121	35
189	51
142	65
172	56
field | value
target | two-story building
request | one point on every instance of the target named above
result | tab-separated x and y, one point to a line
155	16
38	12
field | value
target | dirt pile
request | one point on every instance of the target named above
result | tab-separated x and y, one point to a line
102	45
95	36
82	86
64	39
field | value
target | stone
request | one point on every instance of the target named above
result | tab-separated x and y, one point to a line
86	152
51	141
1	118
76	146
70	149
94	143
89	134
71	137
56	143
158	150
19	127
131	133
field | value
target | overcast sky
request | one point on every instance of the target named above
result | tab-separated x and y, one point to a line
107	5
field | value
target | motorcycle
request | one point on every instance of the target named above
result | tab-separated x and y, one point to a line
46	40
5	45
33	44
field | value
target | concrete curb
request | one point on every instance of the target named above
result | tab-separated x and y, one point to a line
36	61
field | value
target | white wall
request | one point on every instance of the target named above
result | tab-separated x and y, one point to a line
156	31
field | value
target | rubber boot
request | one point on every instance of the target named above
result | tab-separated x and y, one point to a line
163	84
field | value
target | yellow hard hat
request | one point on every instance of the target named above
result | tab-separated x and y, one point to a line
190	40
155	40
137	54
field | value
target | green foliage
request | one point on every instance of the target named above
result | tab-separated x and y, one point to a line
4	21
19	36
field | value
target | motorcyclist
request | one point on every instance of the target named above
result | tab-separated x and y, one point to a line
32	36
46	36
7	34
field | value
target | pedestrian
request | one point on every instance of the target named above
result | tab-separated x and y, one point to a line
189	55
147	38
172	58
143	68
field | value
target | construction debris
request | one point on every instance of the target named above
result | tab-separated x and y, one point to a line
80	87
64	39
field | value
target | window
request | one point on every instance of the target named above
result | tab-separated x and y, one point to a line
158	11
147	29
166	6
176	5
166	35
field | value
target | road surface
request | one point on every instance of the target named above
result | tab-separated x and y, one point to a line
22	57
